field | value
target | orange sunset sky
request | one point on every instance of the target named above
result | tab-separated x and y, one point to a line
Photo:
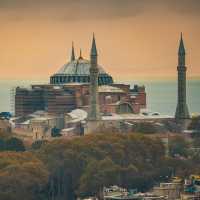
136	39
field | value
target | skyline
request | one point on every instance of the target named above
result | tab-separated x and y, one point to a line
135	39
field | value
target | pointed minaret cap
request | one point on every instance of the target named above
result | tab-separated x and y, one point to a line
73	53
94	48
181	49
80	56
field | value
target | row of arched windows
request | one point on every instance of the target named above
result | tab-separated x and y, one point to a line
103	80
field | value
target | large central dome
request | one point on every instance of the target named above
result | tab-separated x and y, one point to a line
77	71
79	67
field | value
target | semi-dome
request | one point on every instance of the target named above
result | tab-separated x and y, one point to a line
77	71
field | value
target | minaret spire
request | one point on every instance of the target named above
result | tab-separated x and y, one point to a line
94	48
73	53
80	56
181	50
94	74
182	108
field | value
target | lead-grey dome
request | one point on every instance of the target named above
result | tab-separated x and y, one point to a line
78	71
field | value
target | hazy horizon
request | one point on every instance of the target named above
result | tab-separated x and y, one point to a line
159	93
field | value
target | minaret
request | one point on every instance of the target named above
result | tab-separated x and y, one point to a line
73	54
94	72
182	108
80	56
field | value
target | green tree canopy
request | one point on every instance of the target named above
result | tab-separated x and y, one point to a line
178	146
90	162
14	144
22	176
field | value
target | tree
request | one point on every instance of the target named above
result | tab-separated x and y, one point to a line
2	145
83	165
178	146
14	144
65	169
97	175
146	128
196	142
22	177
128	176
38	144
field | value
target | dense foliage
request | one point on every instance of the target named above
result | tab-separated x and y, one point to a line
86	164
145	127
65	169
22	177
38	144
9	143
178	146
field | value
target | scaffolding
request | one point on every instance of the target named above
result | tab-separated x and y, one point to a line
12	100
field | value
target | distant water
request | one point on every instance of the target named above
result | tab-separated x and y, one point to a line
161	95
6	96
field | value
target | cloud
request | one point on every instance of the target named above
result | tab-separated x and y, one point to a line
92	9
185	6
68	9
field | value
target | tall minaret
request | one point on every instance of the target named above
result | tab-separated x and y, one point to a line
182	108
94	72
73	54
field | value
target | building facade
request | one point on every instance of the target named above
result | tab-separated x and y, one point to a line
70	89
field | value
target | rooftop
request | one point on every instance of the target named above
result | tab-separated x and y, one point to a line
78	71
78	115
79	66
135	116
107	88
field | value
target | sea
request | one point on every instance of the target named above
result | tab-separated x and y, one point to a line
161	95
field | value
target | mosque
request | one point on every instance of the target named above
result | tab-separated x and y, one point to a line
70	88
82	98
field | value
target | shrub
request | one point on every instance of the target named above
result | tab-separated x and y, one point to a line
38	144
14	144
